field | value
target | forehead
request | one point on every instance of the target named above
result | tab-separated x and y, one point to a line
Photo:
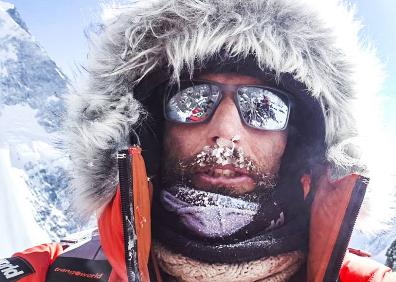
231	78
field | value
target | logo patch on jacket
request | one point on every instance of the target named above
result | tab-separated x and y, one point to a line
13	269
77	269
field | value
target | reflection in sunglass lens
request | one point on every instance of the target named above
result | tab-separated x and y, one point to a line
262	109
192	104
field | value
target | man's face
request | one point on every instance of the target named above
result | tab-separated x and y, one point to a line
223	154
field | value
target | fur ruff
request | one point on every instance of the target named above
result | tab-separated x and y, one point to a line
317	41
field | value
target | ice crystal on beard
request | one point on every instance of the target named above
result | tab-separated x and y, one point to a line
205	199
223	153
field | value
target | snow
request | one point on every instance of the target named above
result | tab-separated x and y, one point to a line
53	98
60	73
32	175
22	141
26	139
376	245
18	124
9	28
6	6
34	203
8	53
18	228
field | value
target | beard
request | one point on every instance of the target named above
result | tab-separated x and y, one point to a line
181	172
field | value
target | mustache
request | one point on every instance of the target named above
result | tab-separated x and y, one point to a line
217	156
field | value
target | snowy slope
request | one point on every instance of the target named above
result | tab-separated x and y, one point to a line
376	245
19	228
33	183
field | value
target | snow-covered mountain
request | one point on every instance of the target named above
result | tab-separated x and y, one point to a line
33	183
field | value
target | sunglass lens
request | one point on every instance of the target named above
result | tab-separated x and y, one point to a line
192	104
262	108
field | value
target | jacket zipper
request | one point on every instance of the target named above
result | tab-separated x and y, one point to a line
128	222
345	233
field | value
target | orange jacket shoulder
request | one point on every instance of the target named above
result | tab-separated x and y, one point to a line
40	257
363	269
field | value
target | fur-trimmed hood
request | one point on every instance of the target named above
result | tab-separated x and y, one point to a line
317	42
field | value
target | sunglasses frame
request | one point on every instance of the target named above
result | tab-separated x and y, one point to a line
283	95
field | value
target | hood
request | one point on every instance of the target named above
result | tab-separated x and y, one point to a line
315	42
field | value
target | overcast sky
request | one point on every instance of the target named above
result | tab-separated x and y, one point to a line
59	27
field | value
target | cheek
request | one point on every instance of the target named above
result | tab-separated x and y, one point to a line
181	141
268	150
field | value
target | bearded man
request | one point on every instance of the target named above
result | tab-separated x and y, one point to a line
216	141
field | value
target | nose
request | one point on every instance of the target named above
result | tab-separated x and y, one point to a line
225	122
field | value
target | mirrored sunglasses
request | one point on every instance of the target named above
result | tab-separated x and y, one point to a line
260	107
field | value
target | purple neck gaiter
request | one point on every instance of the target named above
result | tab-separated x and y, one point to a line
207	214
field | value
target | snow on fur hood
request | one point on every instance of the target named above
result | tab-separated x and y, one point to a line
316	41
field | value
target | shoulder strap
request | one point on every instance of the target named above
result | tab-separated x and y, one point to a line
83	261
